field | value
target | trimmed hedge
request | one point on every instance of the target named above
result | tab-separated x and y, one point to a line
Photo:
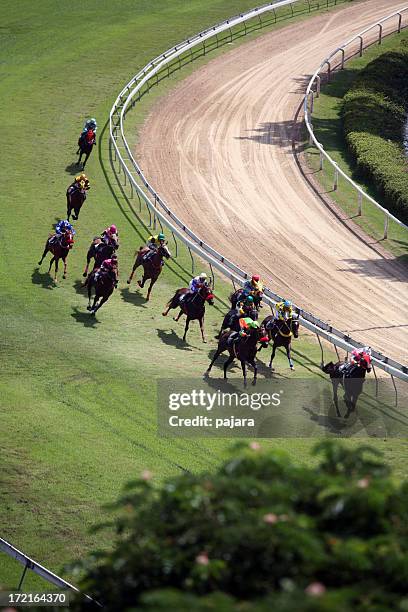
260	533
374	113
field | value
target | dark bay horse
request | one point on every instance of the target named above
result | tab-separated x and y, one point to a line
85	146
351	378
59	248
244	350
231	320
151	268
237	295
103	286
99	251
193	307
281	333
75	199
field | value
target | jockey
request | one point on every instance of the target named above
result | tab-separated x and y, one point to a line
153	243
197	282
245	305
110	234
361	357
109	267
64	226
81	182
61	228
283	310
245	324
253	286
90	124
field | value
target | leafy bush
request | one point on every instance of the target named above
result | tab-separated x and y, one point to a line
260	534
374	114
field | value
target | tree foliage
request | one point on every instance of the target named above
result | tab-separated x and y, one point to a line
260	533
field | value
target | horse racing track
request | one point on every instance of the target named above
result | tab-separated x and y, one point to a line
79	393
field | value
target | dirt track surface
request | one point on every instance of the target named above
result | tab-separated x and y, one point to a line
218	149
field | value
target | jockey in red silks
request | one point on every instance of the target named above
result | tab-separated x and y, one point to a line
361	357
110	234
109	267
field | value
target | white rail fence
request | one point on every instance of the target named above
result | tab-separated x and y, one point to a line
335	61
158	210
40	570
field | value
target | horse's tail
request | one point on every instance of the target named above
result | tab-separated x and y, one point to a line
327	367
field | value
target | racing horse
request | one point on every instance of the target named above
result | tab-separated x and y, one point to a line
193	306
99	251
151	267
232	318
245	350
86	142
59	247
75	198
351	377
103	284
281	332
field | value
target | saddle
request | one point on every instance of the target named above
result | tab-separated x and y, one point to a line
233	338
347	369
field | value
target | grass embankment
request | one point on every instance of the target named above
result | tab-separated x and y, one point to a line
79	394
328	127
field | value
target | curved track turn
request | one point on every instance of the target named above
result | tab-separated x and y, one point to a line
218	148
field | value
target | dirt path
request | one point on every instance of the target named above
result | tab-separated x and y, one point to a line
218	149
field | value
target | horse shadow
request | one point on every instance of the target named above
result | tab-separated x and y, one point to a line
79	288
133	297
42	278
85	318
170	338
73	168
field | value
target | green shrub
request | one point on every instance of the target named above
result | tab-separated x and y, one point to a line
374	114
261	533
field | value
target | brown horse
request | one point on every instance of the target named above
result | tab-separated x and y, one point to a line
193	306
99	251
351	377
75	199
151	268
232	318
281	332
85	147
59	247
103	285
244	350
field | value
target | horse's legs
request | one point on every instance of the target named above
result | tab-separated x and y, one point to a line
101	303
51	262
186	327
292	367
178	316
56	269
214	359
272	355
243	366
129	280
86	159
201	321
142	282
226	364
64	260
80	157
150	289
89	295
253	364
335	384
44	254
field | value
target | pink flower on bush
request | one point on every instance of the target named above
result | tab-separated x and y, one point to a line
363	483
202	559
270	518
255	446
315	589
